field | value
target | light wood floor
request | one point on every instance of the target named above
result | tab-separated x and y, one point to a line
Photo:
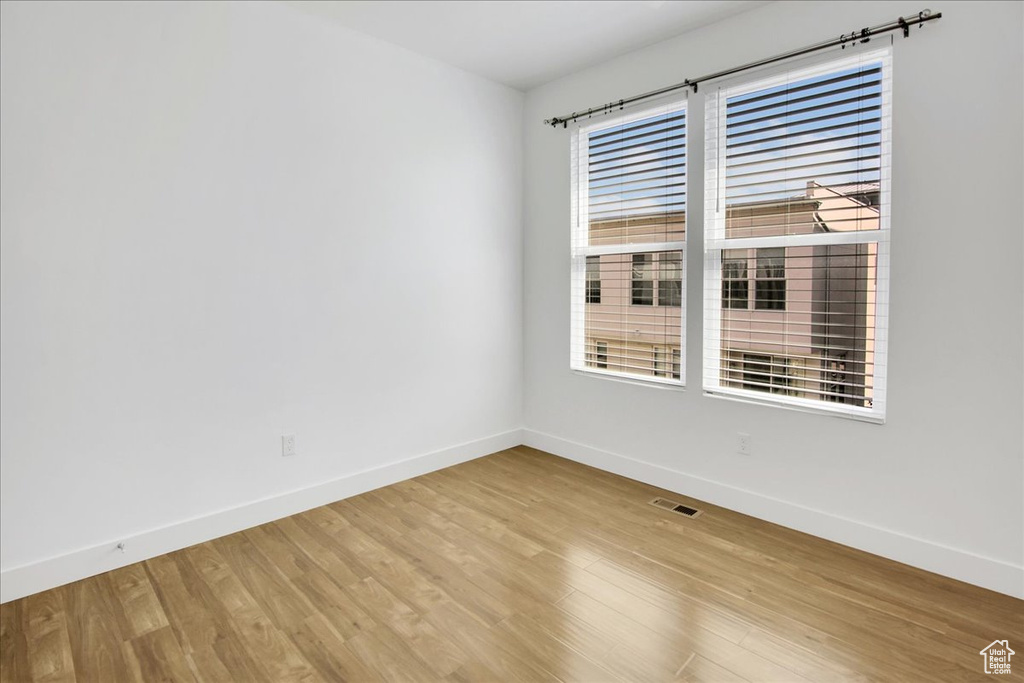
517	566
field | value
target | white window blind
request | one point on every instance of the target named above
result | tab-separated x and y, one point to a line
628	237
797	237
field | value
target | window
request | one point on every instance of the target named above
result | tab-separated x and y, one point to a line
797	185
660	361
734	279
599	359
643	280
593	279
666	362
835	379
770	285
629	227
765	373
670	283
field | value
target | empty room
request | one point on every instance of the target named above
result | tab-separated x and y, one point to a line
588	341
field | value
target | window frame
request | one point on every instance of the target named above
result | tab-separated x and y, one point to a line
716	241
581	248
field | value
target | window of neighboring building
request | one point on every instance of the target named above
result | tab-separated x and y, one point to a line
643	280
666	362
660	362
628	242
734	279
757	372
835	379
670	284
797	207
765	373
593	279
770	283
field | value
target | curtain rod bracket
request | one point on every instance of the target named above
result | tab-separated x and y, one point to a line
905	26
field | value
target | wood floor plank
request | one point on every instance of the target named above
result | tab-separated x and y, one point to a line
702	670
508	658
14	653
519	566
320	554
93	632
46	635
669	637
277	597
192	620
395	572
324	526
208	667
472	672
564	663
458	581
796	659
284	555
382	651
137	607
506	565
644	601
376	516
661	650
429	495
274	654
334	604
630	665
158	657
426	643
324	647
203	629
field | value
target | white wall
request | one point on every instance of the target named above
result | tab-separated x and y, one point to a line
941	484
224	221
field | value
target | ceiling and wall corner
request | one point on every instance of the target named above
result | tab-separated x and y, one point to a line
524	43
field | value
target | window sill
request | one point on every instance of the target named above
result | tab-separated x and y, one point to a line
799	405
654	382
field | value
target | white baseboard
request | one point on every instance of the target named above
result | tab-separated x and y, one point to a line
17	582
986	572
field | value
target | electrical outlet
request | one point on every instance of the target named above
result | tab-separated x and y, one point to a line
288	445
743	443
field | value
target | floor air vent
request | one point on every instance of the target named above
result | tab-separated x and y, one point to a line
673	506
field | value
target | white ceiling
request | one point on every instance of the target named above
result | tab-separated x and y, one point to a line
523	43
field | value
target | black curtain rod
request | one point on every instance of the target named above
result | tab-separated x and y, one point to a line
861	36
